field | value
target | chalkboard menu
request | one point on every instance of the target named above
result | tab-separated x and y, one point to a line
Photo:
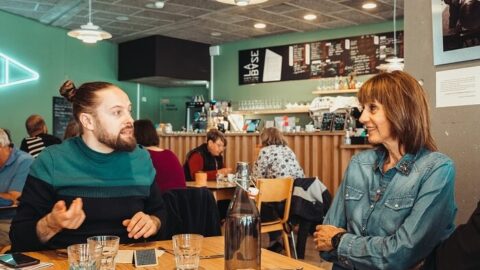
327	121
318	59
62	114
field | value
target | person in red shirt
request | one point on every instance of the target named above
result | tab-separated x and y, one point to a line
169	172
207	157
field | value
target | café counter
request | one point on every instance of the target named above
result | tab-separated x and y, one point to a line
320	153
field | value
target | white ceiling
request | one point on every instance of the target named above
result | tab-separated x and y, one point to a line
197	19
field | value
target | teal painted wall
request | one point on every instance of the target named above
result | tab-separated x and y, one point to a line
57	57
172	109
226	65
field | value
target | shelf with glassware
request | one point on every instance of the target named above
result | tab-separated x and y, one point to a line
335	92
303	109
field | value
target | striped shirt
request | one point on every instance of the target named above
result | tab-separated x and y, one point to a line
35	145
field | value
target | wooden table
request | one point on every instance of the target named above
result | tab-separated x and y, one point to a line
211	246
221	191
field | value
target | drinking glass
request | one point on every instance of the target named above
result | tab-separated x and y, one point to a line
186	248
109	246
84	257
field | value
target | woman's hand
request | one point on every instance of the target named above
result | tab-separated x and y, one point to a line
323	236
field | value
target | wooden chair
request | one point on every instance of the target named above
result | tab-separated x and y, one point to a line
5	249
276	190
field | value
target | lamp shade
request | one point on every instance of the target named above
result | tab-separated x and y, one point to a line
89	33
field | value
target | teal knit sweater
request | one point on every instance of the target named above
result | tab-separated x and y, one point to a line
113	187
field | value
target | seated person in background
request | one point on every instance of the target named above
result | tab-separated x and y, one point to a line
14	168
276	159
99	183
72	130
461	251
207	157
396	202
169	171
39	139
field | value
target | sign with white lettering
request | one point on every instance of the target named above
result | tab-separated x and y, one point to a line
318	59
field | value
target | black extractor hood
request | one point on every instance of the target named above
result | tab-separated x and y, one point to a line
164	61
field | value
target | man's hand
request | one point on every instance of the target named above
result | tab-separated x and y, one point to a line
142	225
60	218
323	236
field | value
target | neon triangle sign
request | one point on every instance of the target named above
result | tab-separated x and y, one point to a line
13	72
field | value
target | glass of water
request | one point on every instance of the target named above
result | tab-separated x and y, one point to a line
109	246
186	248
84	257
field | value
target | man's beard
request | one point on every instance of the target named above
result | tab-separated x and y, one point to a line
116	143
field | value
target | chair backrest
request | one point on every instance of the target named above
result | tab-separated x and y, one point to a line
275	190
190	210
310	200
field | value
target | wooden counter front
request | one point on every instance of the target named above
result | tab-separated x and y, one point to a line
320	154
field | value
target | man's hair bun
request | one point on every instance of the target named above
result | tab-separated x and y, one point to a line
68	90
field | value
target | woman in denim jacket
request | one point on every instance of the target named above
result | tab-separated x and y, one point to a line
396	202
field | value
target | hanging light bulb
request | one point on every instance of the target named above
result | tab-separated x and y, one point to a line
394	63
242	2
89	33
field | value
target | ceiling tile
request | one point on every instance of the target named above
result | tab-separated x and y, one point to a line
299	13
197	19
160	15
280	8
130	26
356	16
114	8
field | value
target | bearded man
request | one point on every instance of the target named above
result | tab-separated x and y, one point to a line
99	183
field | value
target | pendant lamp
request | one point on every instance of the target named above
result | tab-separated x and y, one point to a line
394	62
89	33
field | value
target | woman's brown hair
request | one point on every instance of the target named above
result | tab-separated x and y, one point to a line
272	136
406	108
145	132
72	129
84	98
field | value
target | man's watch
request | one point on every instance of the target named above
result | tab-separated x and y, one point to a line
336	239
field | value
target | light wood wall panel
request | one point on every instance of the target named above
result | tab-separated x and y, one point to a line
320	154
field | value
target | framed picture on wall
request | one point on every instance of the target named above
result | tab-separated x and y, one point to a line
456	31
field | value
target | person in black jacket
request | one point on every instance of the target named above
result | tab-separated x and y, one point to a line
207	157
461	251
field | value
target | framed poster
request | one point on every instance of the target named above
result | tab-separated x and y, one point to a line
456	31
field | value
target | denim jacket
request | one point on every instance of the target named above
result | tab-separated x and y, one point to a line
393	219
